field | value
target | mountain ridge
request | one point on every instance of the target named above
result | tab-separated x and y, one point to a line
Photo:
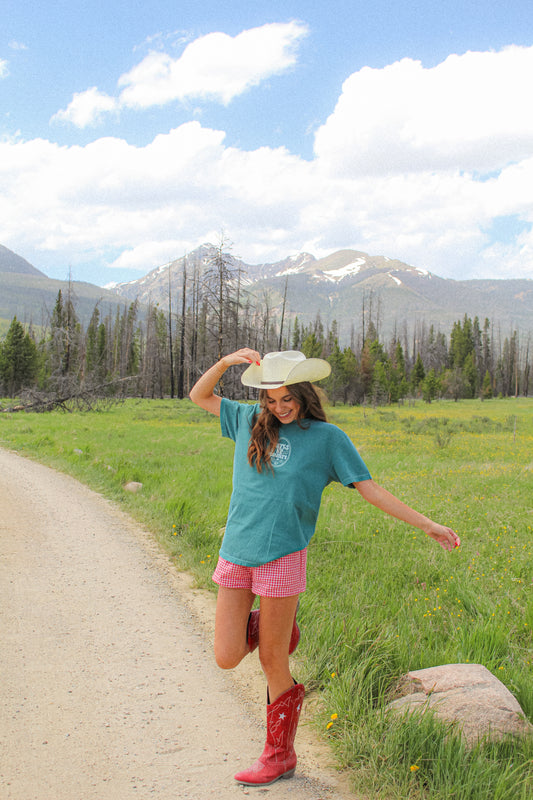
338	285
335	287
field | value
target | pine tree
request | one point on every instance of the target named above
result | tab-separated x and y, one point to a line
64	344
296	335
312	346
18	359
430	386
91	339
336	381
418	374
486	391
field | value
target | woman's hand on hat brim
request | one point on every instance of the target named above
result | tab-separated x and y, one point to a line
243	356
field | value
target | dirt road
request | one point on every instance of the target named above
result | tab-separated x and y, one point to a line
108	689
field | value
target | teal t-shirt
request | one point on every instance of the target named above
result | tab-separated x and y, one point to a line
274	513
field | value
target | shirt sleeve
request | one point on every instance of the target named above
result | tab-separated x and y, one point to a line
233	415
347	466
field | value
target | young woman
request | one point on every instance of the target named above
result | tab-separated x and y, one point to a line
285	454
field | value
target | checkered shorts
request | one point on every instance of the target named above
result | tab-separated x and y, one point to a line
280	578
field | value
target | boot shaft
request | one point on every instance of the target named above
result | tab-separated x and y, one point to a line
282	717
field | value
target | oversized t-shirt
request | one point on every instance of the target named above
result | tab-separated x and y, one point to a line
273	512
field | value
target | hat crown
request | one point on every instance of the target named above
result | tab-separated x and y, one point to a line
277	366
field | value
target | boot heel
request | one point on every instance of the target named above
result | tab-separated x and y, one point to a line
289	774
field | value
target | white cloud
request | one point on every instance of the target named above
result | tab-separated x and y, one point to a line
86	108
215	66
431	204
4	68
150	254
468	113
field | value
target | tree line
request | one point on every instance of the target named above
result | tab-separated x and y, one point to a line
160	352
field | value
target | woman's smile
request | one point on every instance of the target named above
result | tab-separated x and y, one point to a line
282	405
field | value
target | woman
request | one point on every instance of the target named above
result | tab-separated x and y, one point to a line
285	454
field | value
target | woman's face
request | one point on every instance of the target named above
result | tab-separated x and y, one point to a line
282	404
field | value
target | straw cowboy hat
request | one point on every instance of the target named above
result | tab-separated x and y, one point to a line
283	369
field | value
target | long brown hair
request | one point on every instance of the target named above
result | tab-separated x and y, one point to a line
265	426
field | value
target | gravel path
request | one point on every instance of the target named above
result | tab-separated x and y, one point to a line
108	689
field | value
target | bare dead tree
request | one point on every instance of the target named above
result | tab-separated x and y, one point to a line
80	398
170	348
280	342
181	366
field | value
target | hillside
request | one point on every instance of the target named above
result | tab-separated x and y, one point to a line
28	294
337	287
11	263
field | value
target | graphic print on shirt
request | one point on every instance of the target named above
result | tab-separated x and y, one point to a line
282	453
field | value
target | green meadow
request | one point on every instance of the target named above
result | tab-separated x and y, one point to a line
382	598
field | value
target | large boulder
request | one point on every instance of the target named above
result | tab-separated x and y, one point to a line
467	694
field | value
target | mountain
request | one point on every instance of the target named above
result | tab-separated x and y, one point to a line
11	263
28	294
339	285
336	287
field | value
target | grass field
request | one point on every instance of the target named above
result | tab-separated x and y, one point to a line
381	597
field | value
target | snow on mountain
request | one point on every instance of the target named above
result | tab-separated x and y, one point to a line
292	265
354	268
290	271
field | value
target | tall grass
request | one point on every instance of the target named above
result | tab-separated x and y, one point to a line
382	598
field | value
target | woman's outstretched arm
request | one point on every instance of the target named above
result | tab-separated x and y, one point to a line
387	502
202	393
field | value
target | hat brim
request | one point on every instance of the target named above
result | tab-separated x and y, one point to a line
312	369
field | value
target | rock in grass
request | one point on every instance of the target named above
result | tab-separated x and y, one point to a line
466	694
132	486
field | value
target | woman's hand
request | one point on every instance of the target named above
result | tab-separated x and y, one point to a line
243	356
447	538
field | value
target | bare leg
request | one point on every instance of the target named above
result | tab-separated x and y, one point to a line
275	628
231	620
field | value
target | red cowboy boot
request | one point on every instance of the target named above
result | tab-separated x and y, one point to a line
253	632
279	757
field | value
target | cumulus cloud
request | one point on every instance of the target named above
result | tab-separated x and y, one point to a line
401	168
216	66
467	113
86	108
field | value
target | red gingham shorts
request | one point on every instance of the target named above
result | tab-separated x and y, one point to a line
283	577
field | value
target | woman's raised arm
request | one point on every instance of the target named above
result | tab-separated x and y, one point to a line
203	391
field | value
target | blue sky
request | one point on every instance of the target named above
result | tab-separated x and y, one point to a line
131	133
